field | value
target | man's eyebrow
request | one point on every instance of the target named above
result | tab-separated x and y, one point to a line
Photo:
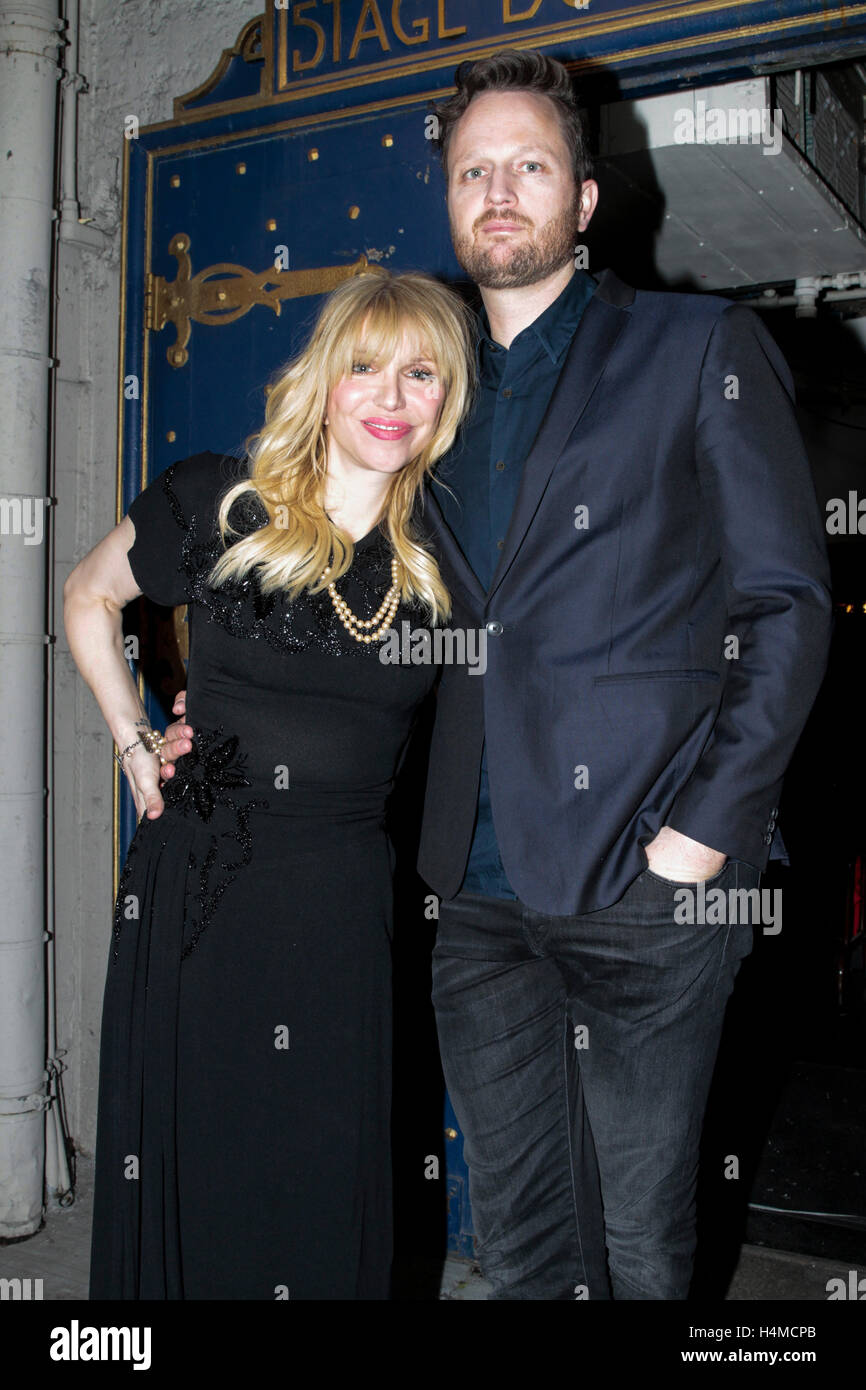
538	146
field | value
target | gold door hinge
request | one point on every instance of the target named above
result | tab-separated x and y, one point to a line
223	293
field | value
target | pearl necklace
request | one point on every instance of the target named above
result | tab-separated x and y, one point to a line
359	628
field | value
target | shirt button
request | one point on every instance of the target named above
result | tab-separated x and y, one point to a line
494	628
507	391
500	465
499	545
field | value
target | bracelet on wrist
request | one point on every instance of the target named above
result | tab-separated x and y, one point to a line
119	757
148	739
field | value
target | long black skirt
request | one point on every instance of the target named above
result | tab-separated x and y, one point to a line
243	1144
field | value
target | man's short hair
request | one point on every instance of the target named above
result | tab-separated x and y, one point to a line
517	70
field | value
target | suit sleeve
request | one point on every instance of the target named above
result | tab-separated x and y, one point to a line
755	476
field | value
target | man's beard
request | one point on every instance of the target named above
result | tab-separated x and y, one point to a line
529	262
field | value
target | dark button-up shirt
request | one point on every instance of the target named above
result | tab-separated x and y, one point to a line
483	470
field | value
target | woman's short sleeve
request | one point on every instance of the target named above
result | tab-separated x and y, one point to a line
174	519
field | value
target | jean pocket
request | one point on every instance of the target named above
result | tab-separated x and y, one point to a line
690	883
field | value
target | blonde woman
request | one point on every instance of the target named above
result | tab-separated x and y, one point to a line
244	1109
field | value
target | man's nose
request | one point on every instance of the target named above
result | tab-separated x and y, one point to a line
500	189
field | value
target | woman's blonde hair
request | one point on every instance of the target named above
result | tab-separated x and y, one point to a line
364	319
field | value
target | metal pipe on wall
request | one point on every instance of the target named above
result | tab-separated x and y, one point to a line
29	71
812	289
58	1180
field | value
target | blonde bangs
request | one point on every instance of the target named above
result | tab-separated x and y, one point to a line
374	326
364	320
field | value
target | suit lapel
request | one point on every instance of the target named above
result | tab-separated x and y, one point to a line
463	573
585	361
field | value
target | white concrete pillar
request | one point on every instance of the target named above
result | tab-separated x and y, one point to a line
29	40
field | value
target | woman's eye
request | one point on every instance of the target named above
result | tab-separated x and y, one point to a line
422	374
532	165
362	367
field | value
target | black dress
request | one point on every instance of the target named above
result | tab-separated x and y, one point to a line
243	1144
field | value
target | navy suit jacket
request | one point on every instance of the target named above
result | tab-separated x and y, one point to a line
615	700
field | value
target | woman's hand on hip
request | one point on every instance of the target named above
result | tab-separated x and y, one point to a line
178	737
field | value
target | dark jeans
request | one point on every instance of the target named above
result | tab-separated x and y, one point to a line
578	1054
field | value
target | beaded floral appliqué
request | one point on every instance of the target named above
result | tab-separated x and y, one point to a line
204	778
207	774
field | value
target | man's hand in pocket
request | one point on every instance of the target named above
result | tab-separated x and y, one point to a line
674	856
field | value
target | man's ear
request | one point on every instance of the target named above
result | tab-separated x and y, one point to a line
588	203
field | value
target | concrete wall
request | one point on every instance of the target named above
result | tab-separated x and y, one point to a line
136	57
